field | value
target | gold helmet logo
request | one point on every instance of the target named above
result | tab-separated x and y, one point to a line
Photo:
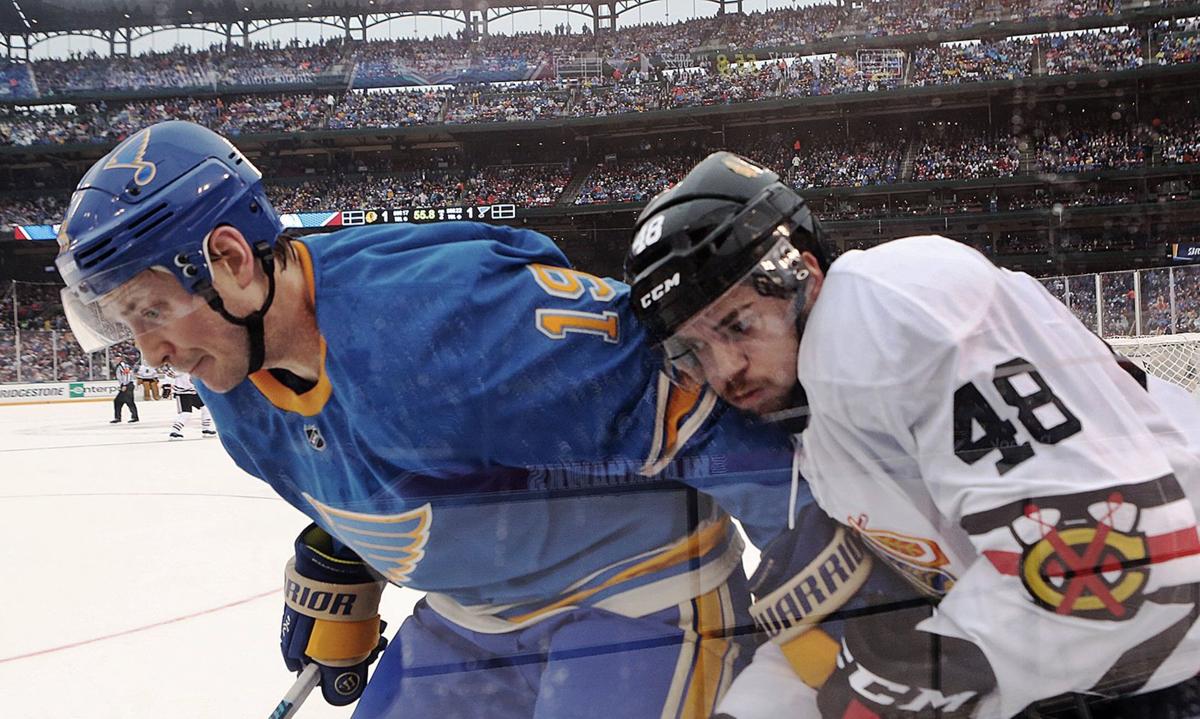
143	170
742	167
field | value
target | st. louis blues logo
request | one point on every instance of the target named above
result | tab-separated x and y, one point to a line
393	544
1093	567
120	159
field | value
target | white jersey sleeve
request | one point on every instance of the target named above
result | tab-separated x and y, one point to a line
992	448
182	383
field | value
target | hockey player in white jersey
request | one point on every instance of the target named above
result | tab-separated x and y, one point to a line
187	400
972	433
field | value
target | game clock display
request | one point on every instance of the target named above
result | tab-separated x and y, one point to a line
482	213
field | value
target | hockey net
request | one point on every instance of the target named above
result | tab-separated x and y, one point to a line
1175	358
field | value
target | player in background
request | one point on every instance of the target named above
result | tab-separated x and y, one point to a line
187	400
459	412
147	377
166	378
971	431
124	398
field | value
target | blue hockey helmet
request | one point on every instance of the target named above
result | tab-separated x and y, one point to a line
151	203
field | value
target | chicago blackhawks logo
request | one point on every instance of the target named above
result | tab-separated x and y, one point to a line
1093	566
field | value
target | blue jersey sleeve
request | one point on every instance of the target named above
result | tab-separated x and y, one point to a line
477	348
480	347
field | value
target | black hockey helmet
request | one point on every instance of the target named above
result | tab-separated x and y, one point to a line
698	239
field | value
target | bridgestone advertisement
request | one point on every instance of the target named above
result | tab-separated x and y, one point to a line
56	392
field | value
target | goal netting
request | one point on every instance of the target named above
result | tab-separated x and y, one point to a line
1175	358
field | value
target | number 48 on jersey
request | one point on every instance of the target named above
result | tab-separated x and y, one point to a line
979	430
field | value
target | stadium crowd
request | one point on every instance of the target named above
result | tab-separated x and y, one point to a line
873	155
34	210
517	55
947	151
975	62
638	91
1082	145
523	185
517	103
1096	51
1178	42
259	64
634	180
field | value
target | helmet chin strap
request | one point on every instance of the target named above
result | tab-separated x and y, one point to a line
253	322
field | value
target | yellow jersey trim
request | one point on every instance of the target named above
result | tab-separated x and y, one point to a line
697	544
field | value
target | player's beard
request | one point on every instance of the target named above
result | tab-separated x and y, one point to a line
792	413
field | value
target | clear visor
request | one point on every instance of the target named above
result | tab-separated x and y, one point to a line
757	314
150	301
91	328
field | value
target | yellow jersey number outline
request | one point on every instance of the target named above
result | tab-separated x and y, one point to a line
571	284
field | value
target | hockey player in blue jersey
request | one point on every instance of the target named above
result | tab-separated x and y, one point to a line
461	413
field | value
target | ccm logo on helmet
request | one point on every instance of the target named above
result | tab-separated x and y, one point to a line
660	290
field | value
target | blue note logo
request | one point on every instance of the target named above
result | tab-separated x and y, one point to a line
315	439
120	159
395	543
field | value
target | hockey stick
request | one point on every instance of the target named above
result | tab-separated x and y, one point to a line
298	693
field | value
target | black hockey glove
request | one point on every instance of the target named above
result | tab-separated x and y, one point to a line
888	669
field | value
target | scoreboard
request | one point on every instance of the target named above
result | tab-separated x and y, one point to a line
345	218
482	213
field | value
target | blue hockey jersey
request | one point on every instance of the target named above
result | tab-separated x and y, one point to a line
490	425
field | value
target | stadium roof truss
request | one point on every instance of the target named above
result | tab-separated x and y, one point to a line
25	23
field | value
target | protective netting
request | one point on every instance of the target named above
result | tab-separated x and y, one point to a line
1175	358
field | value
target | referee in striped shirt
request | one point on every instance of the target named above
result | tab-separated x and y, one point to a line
124	393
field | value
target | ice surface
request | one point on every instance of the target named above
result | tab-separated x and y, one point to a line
140	577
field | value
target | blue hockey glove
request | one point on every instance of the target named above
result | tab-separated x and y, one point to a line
331	615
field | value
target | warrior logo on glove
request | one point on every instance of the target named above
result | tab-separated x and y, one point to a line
347	683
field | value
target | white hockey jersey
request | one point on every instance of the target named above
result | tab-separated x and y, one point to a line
991	448
182	382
